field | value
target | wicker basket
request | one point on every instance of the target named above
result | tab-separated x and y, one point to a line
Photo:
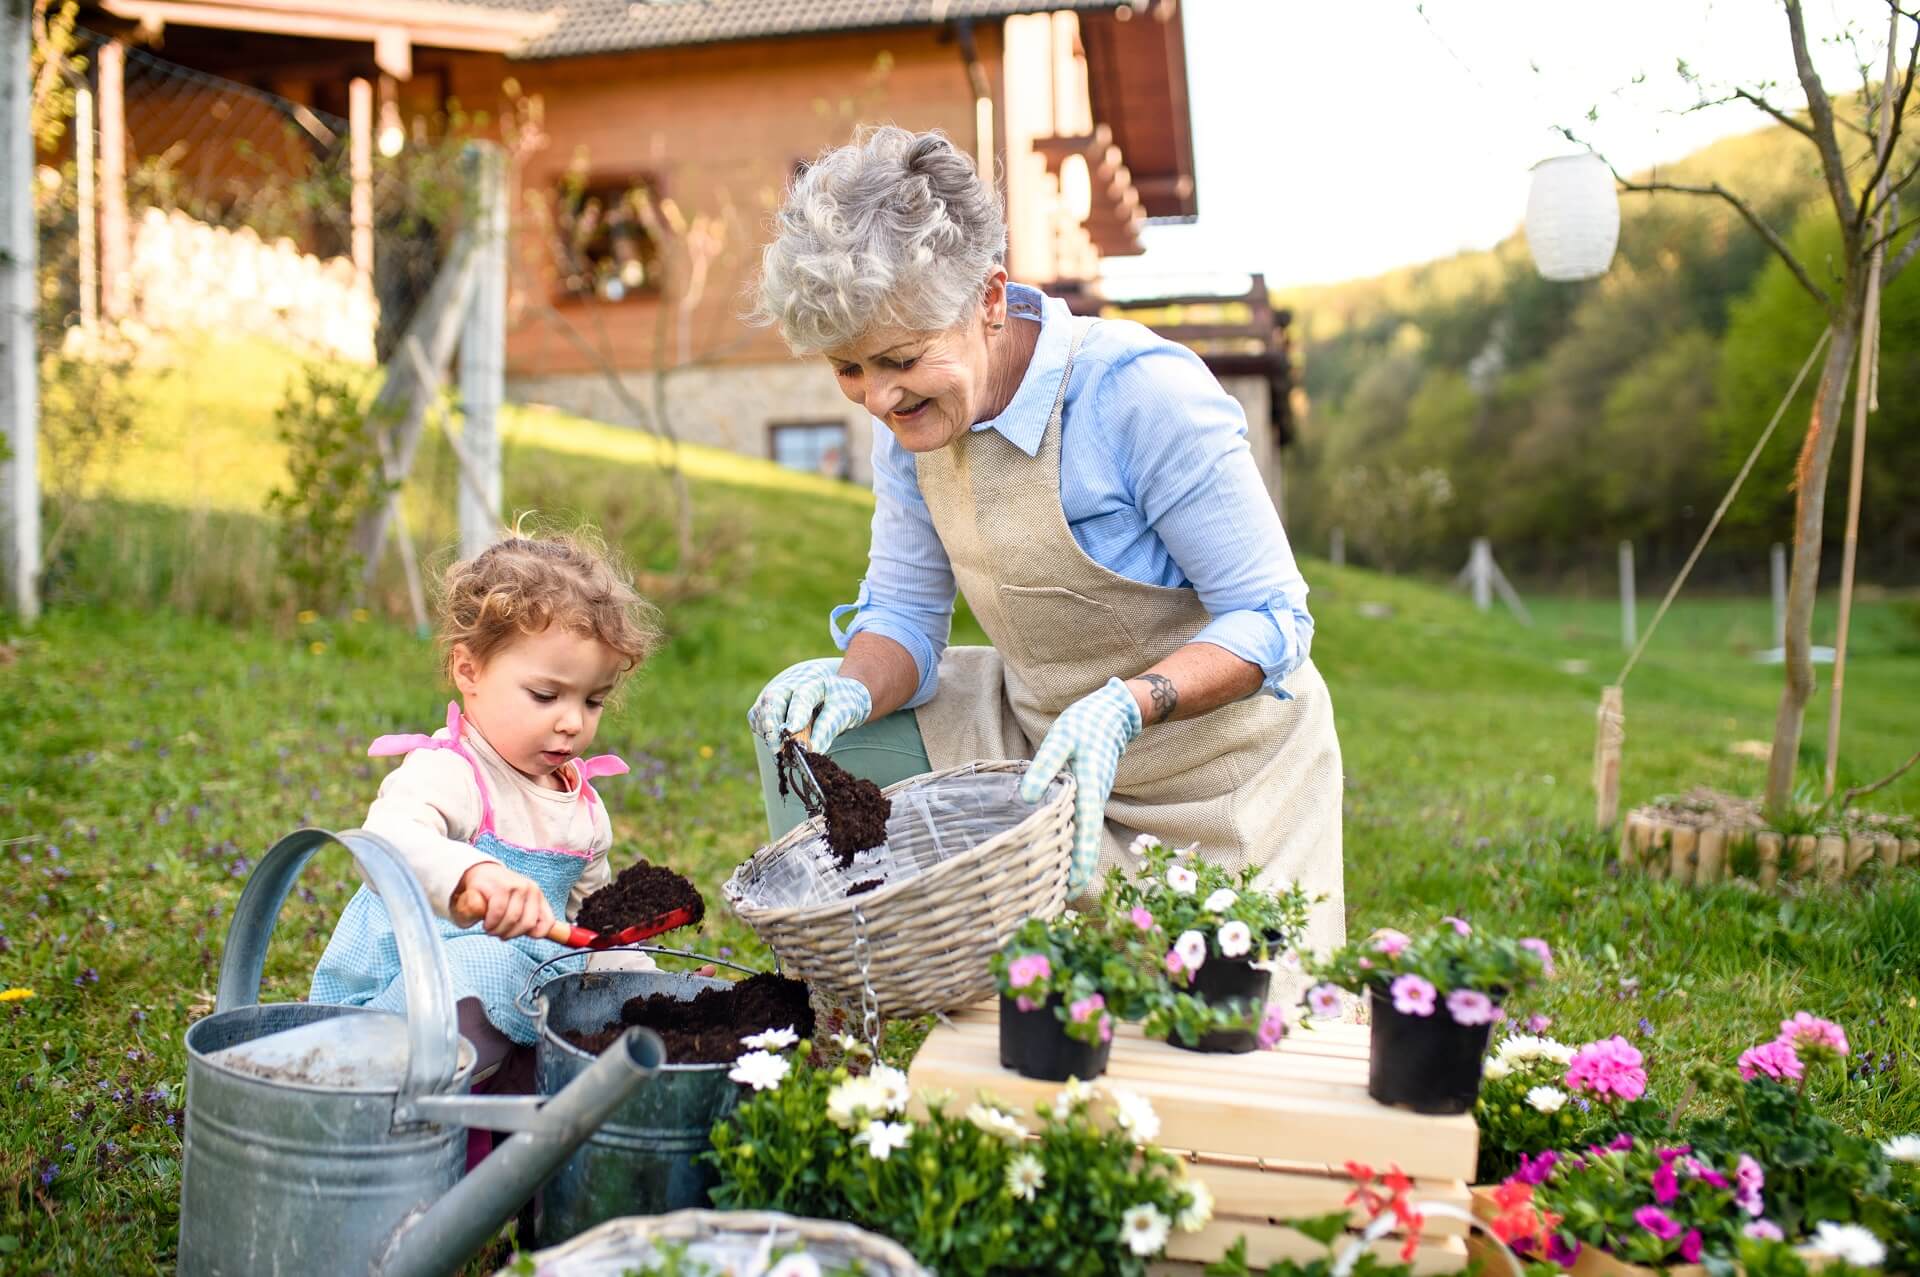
726	1240
928	935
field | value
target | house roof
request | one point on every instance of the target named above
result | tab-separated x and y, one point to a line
613	26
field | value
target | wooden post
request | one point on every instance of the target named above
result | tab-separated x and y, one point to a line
19	365
483	339
1337	548
1629	618
1610	734
116	247
86	229
1710	857
1480	573
1767	850
1832	852
1777	566
1686	840
360	169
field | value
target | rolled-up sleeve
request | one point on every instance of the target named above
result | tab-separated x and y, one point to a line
907	595
1184	447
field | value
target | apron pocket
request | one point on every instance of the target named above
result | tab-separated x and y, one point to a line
1064	645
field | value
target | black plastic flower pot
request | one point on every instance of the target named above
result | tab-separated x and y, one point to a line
1223	981
1426	1063
1035	1044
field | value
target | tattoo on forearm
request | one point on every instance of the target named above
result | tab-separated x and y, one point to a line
1165	696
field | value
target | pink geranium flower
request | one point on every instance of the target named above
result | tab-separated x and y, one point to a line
1390	942
1413	995
1776	1060
1805	1030
1470	1007
1610	1069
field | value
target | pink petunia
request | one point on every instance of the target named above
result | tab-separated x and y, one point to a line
1764	1230
1690	1247
1106	1027
1610	1069
1082	1009
1748	1180
1174	965
1776	1060
1324	1001
1470	1007
1459	925
1539	949
1657	1222
1390	942
1413	995
1141	918
1666	1185
1805	1030
1025	1003
1028	970
1273	1027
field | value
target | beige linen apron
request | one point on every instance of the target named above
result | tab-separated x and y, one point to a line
1255	782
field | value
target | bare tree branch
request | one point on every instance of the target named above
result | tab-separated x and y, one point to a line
1820	109
1766	232
1899	262
1861	791
1867	203
1747	95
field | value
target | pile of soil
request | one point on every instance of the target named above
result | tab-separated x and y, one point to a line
708	1029
856	810
640	894
862	888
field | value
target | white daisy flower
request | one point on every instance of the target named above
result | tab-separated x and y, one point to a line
1025	1177
893	1084
1546	1099
1199	1208
1182	879
1903	1148
1848	1242
1495	1068
1235	939
795	1266
996	1122
1075	1092
1144	1229
1132	1114
772	1039
857	1096
1142	844
884	1138
1222	900
1192	948
761	1070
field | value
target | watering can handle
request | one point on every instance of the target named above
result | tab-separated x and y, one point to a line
433	1035
527	1000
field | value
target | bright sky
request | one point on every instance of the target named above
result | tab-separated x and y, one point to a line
1340	138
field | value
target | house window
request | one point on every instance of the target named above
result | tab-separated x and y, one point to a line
606	240
818	447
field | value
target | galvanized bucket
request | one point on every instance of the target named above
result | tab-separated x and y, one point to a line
642	1160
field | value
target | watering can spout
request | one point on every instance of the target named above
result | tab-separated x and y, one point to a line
438	1241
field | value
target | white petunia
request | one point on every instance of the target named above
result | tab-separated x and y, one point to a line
1186	852
761	1070
1848	1242
1192	948
1182	879
1235	939
772	1039
1222	900
1075	1092
1199	1208
1132	1114
1142	844
1547	1099
855	1097
883	1138
1025	1177
1144	1229
1495	1068
996	1122
795	1266
1903	1148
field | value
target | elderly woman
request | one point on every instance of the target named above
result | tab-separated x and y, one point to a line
1087	486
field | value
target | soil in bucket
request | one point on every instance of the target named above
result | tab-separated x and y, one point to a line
640	894
707	1028
856	810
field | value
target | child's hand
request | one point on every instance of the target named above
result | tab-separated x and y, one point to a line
510	904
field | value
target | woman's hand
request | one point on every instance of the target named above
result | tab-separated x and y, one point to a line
510	904
810	697
1089	736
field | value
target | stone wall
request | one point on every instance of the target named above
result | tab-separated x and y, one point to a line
187	276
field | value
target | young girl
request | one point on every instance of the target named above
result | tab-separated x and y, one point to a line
495	811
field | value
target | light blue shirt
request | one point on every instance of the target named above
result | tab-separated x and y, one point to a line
1156	483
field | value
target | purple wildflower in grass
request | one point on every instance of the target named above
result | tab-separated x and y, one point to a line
1646	1027
1470	1007
1412	995
67	1147
48	1173
1657	1222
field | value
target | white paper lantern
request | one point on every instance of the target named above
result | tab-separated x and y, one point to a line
1573	217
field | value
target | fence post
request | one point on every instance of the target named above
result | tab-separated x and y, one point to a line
482	348
1629	616
1480	573
360	172
83	152
19	367
1337	548
116	250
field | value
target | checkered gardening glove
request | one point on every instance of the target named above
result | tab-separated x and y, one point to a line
811	693
1089	736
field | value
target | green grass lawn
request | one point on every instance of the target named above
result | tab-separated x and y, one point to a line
149	756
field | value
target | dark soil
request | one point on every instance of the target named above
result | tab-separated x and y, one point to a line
856	810
708	1029
862	888
640	894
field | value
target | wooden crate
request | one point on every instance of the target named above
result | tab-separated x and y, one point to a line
1267	1132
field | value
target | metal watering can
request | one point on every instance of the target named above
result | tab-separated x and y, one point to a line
339	1147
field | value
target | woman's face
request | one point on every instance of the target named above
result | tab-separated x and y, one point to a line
929	388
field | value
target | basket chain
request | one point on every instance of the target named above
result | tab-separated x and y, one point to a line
869	1004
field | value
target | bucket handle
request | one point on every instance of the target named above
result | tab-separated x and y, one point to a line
433	1036
527	1000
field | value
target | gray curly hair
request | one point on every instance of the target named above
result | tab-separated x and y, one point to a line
893	230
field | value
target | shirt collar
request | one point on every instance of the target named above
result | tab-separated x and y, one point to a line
1024	421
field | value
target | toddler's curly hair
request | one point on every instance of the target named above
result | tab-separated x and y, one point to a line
526	583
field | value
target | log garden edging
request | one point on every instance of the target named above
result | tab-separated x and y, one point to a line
1699	850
